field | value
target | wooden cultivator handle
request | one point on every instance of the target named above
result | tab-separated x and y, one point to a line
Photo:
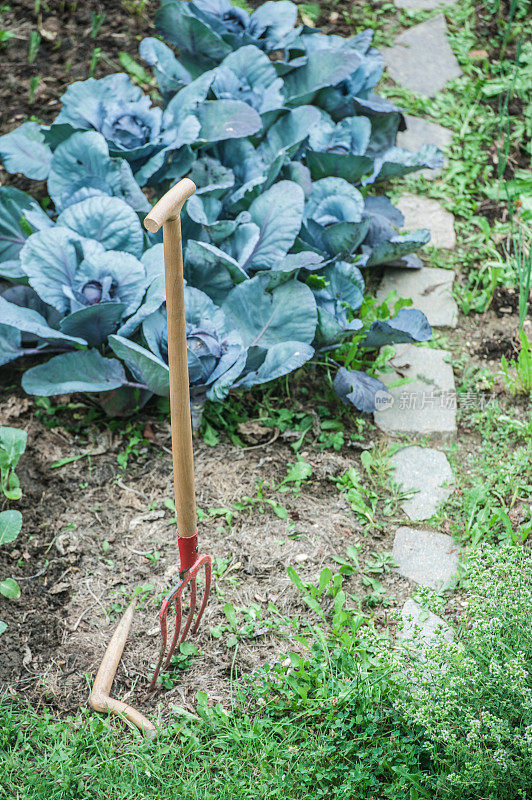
166	213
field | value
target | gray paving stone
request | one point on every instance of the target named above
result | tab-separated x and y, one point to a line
426	472
420	626
422	212
427	405
421	5
430	290
419	132
421	59
426	557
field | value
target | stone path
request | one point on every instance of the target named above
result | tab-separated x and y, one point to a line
427	474
430	290
421	59
424	402
422	212
421	5
419	132
425	557
420	626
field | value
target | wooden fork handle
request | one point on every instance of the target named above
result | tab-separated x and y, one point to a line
166	213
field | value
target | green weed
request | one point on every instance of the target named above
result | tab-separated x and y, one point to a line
97	20
494	481
135	7
311	11
95	60
260	502
224	575
135	441
12	446
518	373
370	493
33	46
34	83
136	71
297	474
179	663
380	564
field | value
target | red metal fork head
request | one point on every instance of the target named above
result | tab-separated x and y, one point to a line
175	597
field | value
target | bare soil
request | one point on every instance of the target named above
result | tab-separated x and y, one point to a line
65	50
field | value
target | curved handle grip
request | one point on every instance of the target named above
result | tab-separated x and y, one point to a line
170	205
100	699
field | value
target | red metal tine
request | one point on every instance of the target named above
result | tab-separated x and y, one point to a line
163	614
178	607
207	561
176	595
177	627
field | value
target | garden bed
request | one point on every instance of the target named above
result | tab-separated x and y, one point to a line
94	526
78	558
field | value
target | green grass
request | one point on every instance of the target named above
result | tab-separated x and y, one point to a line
338	722
494	480
324	726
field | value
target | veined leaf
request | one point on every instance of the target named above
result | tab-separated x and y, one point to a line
10	526
85	371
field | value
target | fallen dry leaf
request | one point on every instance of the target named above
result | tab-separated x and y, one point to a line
50	29
148	432
57	588
149	516
12	408
477	55
27	657
253	431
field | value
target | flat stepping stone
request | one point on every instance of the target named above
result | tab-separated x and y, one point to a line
427	405
430	290
421	5
425	557
426	472
421	59
420	626
419	132
422	212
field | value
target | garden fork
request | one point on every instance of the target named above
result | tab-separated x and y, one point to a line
166	213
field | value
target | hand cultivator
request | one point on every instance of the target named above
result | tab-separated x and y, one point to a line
166	213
